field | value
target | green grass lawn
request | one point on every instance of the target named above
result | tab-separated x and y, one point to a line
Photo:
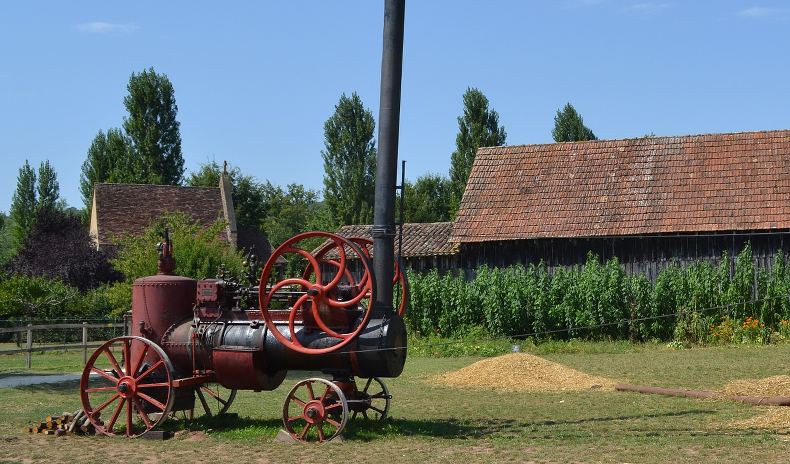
439	424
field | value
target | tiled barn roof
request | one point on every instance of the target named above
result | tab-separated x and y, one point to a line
128	209
653	185
419	239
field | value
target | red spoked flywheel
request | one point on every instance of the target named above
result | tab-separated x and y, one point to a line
326	255
326	296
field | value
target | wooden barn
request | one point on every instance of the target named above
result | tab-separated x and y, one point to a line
646	201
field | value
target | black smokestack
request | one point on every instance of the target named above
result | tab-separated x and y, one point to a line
387	157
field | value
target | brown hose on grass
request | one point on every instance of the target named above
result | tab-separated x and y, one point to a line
758	400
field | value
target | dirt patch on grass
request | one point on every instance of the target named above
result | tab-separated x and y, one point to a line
778	385
522	372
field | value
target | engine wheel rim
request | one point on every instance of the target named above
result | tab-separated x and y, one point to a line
321	292
213	399
313	416
376	399
140	385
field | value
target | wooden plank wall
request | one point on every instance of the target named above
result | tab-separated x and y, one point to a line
639	255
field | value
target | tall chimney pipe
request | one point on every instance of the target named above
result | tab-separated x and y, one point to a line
387	158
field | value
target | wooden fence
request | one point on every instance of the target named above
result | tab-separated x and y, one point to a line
84	345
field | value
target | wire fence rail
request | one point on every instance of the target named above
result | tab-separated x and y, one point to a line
84	344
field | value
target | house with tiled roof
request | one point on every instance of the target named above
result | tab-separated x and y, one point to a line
424	246
645	200
118	210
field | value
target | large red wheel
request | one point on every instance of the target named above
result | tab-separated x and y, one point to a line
327	256
127	387
315	410
330	303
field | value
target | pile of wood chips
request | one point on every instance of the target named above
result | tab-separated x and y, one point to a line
75	423
522	372
778	385
772	417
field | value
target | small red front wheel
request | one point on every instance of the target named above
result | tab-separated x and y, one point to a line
127	387
315	410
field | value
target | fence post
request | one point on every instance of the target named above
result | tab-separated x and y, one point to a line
29	345
84	343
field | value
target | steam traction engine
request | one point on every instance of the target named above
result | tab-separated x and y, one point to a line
195	343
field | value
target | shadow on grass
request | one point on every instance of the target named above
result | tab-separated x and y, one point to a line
235	427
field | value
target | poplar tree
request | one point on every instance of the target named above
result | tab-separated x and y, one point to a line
349	162
48	187
153	129
477	127
108	159
23	204
569	126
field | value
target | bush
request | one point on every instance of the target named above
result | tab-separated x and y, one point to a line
59	247
198	251
25	298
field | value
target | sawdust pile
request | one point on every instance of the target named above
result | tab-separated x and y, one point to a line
522	372
775	417
778	385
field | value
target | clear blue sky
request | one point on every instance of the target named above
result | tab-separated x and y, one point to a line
255	81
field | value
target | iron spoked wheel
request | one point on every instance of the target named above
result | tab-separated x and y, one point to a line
213	399
127	387
315	410
374	401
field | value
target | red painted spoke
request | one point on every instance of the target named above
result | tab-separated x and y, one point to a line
114	363
333	406
379	395
377	409
127	357
106	403
153	385
115	415
214	394
136	367
151	400
298	401
149	370
304	431
143	415
309	386
321	436
332	421
129	414
100	389
367	385
105	375
294	418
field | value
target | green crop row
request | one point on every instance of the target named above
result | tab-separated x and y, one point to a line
601	301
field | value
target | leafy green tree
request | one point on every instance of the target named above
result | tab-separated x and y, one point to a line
23	205
290	212
478	127
153	129
108	160
429	199
569	126
198	250
48	187
349	162
249	197
6	239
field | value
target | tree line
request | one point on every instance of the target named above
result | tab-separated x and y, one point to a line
146	149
